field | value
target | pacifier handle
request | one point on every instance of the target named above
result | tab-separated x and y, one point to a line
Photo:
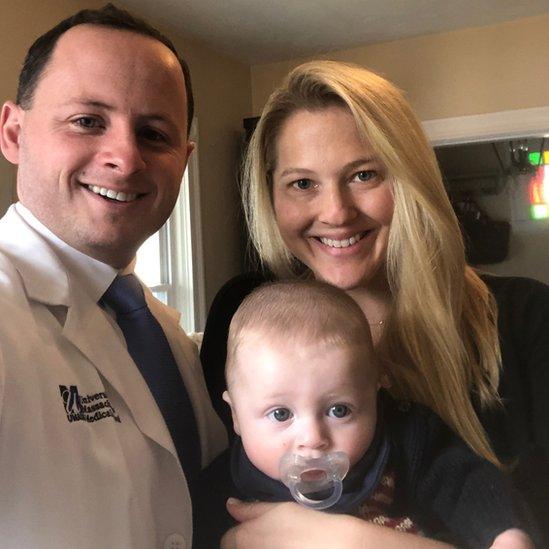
334	465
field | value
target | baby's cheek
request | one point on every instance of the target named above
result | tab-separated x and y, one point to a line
262	450
357	444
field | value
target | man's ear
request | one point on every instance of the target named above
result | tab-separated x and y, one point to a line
227	399
10	130
191	146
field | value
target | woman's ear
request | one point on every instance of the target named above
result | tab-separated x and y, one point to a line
10	130
227	399
384	382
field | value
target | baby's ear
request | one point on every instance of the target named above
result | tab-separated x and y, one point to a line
227	398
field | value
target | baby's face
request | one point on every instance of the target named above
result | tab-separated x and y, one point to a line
302	399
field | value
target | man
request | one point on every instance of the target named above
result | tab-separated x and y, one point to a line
100	137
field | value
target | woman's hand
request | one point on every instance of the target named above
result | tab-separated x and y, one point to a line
286	525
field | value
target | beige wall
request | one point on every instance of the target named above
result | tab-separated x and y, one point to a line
223	97
471	71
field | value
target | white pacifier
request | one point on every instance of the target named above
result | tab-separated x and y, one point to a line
315	482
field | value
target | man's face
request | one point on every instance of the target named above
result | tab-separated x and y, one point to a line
108	117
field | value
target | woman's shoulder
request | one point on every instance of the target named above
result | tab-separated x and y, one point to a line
522	304
237	288
227	301
523	325
515	288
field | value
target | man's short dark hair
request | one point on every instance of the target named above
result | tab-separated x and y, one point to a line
40	52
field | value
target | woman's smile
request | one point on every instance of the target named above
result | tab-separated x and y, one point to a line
334	242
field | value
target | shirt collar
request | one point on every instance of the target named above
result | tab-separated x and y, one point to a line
94	275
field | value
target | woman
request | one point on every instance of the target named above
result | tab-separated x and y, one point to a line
341	184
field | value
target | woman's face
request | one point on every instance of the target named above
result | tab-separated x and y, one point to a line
332	200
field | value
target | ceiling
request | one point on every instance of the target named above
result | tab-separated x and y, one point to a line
263	31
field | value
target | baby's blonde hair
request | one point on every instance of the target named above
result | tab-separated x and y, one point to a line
298	312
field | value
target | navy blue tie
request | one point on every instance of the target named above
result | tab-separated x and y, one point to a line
150	350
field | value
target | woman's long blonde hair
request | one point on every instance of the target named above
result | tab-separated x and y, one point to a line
440	345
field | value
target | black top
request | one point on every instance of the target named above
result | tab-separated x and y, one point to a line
519	430
442	485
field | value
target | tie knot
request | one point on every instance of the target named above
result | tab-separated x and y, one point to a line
125	295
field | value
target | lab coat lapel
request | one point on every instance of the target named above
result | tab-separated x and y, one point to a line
43	276
84	318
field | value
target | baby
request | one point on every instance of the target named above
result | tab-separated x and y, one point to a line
304	385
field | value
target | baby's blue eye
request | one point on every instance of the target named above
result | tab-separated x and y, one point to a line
281	414
339	411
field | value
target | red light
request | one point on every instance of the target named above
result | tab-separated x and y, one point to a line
536	186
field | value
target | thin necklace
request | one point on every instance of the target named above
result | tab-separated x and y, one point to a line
378	323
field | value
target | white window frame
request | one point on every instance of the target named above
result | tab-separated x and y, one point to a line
181	251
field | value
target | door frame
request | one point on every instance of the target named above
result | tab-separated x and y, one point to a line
532	122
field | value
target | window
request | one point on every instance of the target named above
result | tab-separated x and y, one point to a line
170	261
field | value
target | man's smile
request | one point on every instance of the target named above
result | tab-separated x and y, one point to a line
112	194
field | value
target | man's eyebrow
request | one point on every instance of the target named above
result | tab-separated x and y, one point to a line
157	118
91	103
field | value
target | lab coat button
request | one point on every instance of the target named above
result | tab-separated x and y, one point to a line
175	541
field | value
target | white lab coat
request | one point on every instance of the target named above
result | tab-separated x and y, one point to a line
103	483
